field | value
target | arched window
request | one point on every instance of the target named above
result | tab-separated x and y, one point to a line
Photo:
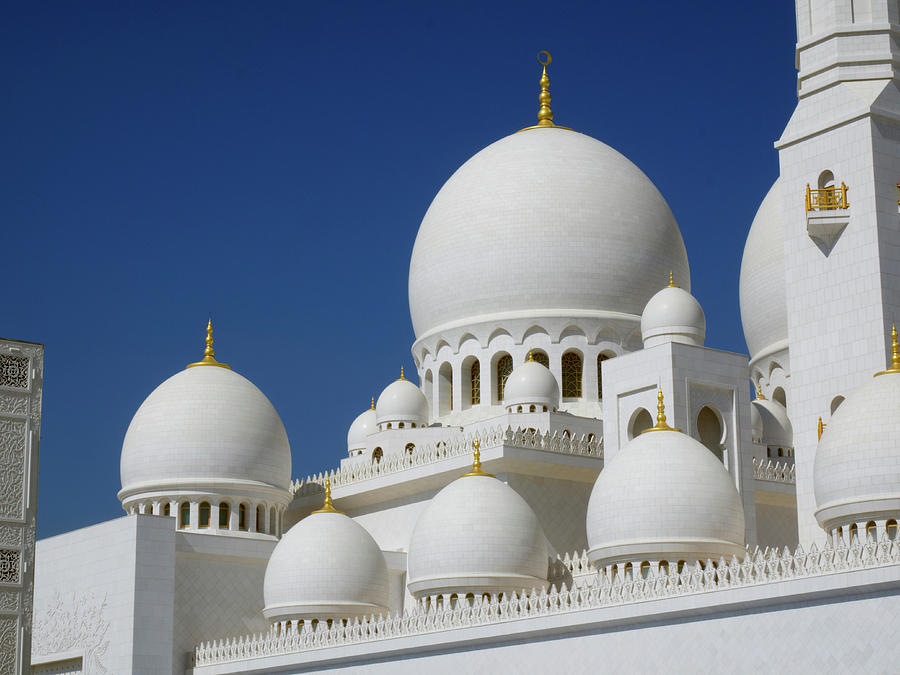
711	433
377	454
640	420
272	525
871	530
167	509
445	389
663	566
836	403
826	180
891	528
184	515
645	569
613	571
628	571
204	514
853	531
680	566
470	599
410	447
571	375
242	517
600	359
540	357
531	408
504	368
259	516
401	425
224	512
475	382
779	395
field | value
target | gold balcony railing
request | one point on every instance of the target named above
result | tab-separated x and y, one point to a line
827	199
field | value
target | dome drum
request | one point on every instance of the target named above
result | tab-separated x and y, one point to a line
687	550
424	587
844	515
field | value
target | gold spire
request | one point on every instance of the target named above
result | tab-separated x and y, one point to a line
759	394
545	114
895	353
660	416
327	506
530	355
476	463
401	373
373	404
209	354
672	283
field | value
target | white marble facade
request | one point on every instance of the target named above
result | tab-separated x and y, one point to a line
624	491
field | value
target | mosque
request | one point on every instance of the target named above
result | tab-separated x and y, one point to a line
576	476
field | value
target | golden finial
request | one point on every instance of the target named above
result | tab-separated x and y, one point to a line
672	283
820	427
759	394
545	114
372	407
476	463
401	373
209	354
327	505
530	355
895	353
660	415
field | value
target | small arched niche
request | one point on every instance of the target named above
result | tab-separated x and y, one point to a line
836	403
711	432
640	420
779	396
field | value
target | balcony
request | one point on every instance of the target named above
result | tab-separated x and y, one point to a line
827	199
827	214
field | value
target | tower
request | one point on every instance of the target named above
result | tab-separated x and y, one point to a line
839	161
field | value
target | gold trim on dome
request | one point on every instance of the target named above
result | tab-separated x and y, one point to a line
209	354
476	463
895	354
660	416
545	114
327	505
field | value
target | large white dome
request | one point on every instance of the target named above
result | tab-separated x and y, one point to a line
544	220
205	428
327	566
857	467
673	315
762	283
477	535
664	496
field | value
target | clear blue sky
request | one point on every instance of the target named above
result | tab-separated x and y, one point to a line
270	163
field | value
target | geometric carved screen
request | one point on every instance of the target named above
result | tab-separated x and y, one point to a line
13	371
9	566
12	467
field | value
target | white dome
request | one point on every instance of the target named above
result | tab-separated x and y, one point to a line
327	566
664	496
773	426
363	425
531	383
542	220
401	401
673	315
205	428
762	284
857	467
477	535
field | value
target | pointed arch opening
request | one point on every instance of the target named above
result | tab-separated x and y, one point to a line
572	366
711	432
504	368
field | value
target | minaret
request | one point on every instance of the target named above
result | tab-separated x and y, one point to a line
840	165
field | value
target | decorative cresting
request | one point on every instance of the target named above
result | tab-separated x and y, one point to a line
660	416
895	355
545	114
209	354
476	463
775	472
827	199
327	505
599	590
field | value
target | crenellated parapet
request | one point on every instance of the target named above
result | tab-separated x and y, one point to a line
434	614
776	472
585	445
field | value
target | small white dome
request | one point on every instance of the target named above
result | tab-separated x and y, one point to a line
762	283
664	496
673	315
579	224
363	425
477	535
773	426
327	566
402	401
857	467
531	383
205	428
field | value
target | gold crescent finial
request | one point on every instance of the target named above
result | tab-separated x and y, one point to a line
660	415
476	462
545	115
209	354
895	353
327	505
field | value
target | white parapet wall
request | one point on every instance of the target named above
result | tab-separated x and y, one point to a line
832	603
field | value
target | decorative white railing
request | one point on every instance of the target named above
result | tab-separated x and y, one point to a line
761	567
585	446
777	472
